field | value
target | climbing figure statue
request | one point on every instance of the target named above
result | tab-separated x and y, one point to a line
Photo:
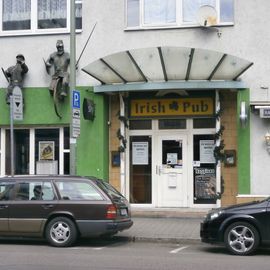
57	64
15	75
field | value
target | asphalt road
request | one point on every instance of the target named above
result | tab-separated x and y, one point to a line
121	254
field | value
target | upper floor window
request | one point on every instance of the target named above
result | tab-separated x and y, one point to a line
37	16
174	13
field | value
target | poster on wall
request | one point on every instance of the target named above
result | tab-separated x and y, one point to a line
139	153
205	183
46	150
207	151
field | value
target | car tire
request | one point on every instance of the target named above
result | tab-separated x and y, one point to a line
61	232
241	238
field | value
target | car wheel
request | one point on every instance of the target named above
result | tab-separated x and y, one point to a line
241	238
61	232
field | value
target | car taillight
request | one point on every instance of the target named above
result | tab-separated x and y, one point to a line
111	212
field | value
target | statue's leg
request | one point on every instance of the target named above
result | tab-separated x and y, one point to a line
64	89
8	93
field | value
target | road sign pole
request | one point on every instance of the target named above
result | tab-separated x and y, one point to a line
11	136
72	85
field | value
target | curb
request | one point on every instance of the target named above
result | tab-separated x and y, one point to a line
160	240
153	214
172	216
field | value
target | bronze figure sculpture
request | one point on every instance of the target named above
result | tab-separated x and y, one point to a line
15	75
59	60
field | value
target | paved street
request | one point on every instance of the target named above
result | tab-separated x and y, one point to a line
121	254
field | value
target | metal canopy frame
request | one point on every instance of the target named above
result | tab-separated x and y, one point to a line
164	68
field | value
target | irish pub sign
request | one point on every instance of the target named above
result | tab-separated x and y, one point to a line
185	107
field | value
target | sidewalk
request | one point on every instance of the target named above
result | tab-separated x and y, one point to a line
165	225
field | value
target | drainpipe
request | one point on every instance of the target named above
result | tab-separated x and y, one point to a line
218	166
122	154
72	85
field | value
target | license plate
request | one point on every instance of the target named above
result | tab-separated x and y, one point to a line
123	212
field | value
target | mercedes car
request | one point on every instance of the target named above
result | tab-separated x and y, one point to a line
61	208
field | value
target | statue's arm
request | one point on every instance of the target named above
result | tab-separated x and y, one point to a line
24	68
8	72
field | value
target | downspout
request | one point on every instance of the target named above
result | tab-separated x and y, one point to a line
122	154
218	166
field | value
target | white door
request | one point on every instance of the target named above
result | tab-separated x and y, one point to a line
171	171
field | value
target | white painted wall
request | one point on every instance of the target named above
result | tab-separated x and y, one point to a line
249	38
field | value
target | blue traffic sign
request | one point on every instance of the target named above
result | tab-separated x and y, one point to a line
76	99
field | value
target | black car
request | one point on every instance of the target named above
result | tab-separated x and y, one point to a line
242	228
61	208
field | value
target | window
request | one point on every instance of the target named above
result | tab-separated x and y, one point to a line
172	124
34	191
36	151
204	172
140	165
6	189
174	13
37	16
41	191
204	123
78	191
140	124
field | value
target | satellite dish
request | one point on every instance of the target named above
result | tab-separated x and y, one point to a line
207	16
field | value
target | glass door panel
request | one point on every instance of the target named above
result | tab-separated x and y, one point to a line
204	169
21	151
140	169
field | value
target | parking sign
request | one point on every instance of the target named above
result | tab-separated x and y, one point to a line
76	99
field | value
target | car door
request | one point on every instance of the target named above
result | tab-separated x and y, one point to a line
82	199
6	189
28	213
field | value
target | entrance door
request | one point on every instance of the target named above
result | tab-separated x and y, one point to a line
171	171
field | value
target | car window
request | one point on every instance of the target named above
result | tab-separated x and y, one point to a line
77	190
109	189
6	189
38	190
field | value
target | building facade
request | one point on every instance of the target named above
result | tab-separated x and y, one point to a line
180	91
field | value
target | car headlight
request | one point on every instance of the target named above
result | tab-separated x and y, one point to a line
214	215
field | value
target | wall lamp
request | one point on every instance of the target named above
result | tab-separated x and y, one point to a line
267	141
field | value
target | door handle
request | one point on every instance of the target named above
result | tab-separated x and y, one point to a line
158	169
47	206
3	206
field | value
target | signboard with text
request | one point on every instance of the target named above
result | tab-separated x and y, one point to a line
172	107
17	103
76	114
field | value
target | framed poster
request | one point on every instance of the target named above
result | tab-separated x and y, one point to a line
46	150
207	151
205	183
139	153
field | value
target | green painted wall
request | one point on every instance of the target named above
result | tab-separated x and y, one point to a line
243	156
38	109
92	145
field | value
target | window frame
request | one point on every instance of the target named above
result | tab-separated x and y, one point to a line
34	22
179	23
